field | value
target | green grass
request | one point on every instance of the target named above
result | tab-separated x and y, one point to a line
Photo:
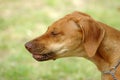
23	20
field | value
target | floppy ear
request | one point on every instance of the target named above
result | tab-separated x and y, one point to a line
93	34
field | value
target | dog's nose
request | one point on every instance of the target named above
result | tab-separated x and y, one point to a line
28	46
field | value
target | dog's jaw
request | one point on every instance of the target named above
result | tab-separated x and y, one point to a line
44	57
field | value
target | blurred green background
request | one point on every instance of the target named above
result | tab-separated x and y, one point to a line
23	20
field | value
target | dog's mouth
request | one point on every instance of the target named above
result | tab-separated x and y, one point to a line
44	57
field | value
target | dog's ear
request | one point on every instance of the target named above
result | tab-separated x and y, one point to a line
93	34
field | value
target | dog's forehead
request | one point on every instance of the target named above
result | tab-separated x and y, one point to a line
64	24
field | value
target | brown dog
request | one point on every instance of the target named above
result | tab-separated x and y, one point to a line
78	34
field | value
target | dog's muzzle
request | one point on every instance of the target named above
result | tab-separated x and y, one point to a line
39	52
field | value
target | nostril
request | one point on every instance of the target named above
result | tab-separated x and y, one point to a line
28	45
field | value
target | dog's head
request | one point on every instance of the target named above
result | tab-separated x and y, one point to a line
76	34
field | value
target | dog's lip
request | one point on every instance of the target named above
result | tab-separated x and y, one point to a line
44	57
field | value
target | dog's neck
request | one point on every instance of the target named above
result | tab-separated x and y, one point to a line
105	64
108	55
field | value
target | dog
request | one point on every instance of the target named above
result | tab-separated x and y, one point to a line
79	35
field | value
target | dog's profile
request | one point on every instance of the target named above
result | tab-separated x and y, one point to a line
78	34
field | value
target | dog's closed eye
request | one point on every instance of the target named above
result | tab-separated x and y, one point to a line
54	33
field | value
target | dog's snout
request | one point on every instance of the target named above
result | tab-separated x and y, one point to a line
28	45
34	47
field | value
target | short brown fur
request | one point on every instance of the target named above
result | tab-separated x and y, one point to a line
78	34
